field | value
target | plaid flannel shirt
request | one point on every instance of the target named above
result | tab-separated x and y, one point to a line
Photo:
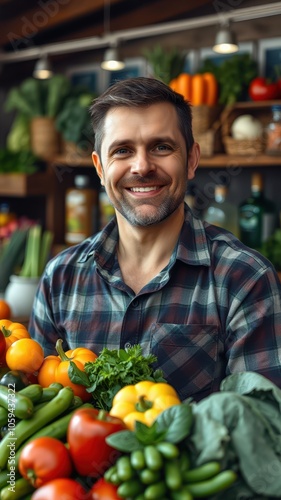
213	310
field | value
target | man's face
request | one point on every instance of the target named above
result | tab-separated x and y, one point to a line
144	164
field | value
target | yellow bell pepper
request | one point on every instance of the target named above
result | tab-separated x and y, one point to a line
143	402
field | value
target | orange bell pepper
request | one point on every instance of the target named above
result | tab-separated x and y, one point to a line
13	331
55	368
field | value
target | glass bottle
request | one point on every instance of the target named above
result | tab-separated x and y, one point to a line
257	215
221	212
81	210
106	208
273	132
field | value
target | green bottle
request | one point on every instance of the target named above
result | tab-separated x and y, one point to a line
257	215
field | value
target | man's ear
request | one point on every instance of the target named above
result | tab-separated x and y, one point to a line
97	165
193	160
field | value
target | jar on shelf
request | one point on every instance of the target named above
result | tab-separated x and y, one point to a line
273	132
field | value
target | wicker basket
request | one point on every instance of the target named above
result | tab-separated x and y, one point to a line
45	140
242	147
203	118
210	141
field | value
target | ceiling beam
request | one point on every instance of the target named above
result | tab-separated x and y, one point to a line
141	15
39	19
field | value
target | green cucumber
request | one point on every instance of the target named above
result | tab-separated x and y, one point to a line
21	487
18	405
33	392
26	428
56	429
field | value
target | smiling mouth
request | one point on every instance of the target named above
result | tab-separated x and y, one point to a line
144	189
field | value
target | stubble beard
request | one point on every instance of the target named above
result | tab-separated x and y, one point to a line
136	217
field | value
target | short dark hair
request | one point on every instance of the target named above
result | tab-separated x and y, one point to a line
140	92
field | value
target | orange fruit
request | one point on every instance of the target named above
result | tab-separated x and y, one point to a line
5	310
25	355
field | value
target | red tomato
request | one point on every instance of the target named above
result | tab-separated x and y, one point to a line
44	459
102	490
261	90
64	488
86	435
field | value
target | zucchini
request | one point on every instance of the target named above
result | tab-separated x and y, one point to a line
17	404
33	392
22	487
25	428
56	429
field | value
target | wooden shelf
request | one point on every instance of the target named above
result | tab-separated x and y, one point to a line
227	161
37	184
73	160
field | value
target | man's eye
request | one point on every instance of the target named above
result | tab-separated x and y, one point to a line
163	147
121	151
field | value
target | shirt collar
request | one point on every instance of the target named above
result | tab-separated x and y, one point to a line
192	246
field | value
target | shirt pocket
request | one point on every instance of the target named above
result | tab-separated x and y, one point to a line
187	354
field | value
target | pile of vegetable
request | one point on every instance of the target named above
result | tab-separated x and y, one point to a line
233	76
143	443
198	89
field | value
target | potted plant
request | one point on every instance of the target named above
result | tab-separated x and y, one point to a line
39	102
73	122
166	63
34	246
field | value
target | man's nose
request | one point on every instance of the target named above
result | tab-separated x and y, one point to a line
142	164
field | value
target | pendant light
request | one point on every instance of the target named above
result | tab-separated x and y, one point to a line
225	42
112	60
43	68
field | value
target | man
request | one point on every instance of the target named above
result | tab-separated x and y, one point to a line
189	292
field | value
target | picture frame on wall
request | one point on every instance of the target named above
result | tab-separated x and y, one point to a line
87	76
95	79
270	57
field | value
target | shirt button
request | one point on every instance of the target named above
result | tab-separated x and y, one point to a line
127	345
135	303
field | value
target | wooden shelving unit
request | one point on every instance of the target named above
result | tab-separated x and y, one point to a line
51	183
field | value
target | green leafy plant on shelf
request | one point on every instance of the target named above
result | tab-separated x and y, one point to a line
23	162
25	253
166	63
74	119
55	98
234	75
37	253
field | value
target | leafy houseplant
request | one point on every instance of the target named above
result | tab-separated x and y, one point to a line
40	102
21	287
166	64
74	119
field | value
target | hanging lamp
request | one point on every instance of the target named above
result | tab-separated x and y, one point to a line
43	68
112	60
225	42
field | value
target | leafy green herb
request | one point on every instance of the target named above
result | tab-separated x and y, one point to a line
37	252
176	421
22	162
234	75
173	425
166	64
114	369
